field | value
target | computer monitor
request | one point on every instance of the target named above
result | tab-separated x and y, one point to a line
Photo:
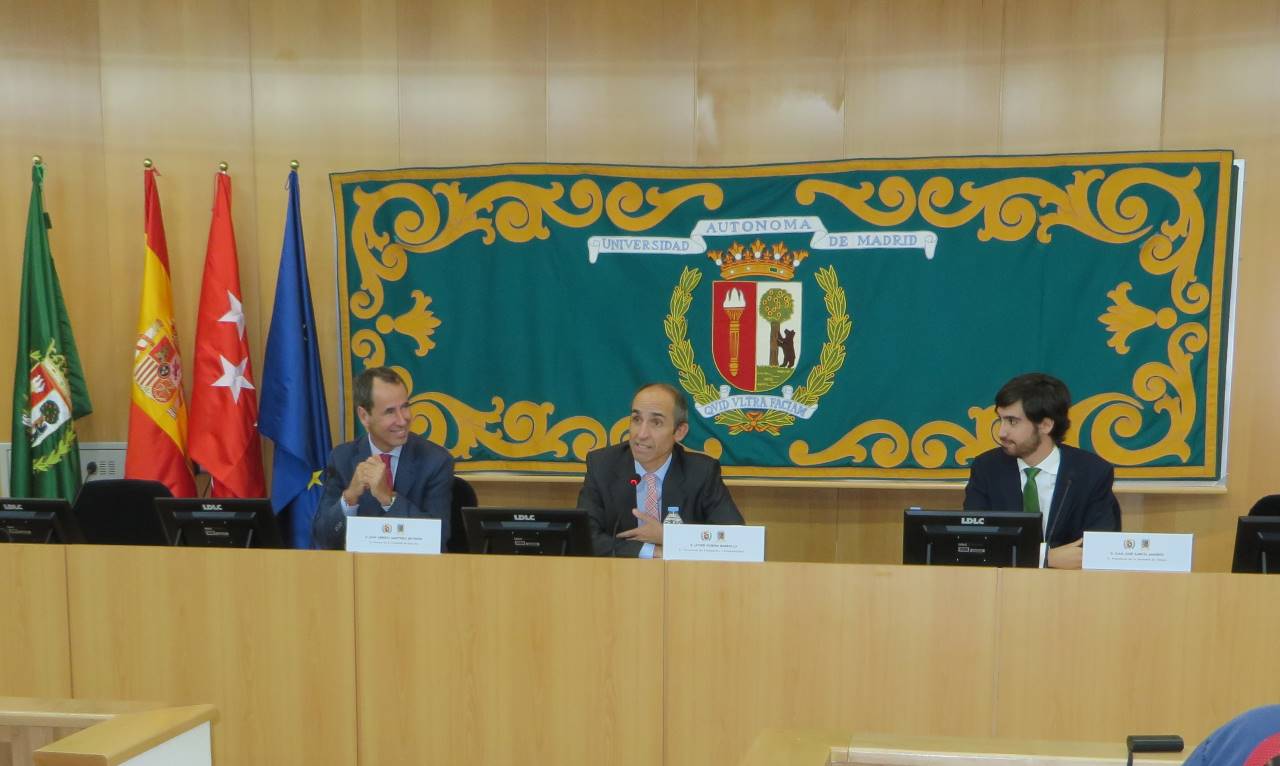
977	538
528	531
216	522
37	520
1257	545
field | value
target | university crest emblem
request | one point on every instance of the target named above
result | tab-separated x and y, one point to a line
756	338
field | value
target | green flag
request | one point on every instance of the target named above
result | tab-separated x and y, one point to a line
49	391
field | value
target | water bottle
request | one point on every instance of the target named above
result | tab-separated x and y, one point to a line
673	516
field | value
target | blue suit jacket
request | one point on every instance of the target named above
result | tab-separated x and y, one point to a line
1082	496
424	488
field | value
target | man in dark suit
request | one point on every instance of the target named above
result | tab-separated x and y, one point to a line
389	472
631	488
1032	470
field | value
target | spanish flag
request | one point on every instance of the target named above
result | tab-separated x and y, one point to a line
158	413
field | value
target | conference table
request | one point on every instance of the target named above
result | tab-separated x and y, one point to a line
322	657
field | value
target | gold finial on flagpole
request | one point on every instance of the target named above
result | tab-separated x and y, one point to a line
37	160
222	167
147	163
293	164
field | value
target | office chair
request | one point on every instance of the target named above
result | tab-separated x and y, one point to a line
464	496
120	512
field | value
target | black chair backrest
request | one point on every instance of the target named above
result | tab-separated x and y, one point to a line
1267	506
120	512
464	496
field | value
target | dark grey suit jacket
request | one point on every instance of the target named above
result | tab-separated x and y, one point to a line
692	484
424	488
1082	496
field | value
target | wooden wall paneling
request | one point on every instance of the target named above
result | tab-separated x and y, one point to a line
781	646
176	87
800	523
325	93
771	81
471	659
49	95
472	80
870	520
1221	92
35	655
621	82
923	78
1082	76
1132	651
266	636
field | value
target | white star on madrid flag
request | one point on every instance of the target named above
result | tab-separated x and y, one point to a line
234	314
233	377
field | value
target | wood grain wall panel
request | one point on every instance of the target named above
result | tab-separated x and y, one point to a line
621	82
800	524
35	654
771	81
820	646
49	99
870	520
1082	76
1221	91
473	81
256	84
176	88
325	93
923	78
1138	652
266	636
470	659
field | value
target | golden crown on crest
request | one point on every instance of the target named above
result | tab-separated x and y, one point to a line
777	261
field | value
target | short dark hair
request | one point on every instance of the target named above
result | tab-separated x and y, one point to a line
681	409
362	389
1042	396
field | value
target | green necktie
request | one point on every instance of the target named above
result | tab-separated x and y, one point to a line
1031	495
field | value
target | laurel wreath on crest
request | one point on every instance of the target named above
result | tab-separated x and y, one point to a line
45	462
821	377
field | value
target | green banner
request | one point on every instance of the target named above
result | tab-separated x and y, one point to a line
49	390
832	320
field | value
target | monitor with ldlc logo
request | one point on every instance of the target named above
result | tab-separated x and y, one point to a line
218	522
976	538
528	531
37	520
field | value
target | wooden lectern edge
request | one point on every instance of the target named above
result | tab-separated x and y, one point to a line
66	713
117	740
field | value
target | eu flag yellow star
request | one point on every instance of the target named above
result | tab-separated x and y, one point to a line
315	479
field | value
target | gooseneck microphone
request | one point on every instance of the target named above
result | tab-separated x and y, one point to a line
1062	503
634	481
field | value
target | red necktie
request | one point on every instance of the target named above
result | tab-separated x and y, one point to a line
391	479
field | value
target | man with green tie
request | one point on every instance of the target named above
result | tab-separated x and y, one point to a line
1032	470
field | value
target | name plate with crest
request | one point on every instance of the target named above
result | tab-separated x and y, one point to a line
712	542
373	534
1137	551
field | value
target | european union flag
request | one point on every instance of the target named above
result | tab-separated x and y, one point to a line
293	413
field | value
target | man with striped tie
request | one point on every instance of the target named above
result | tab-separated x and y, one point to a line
631	488
388	472
1032	470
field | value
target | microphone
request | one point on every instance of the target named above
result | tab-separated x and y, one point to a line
634	481
1049	536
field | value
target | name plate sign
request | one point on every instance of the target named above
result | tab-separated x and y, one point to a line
373	534
712	542
1137	551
